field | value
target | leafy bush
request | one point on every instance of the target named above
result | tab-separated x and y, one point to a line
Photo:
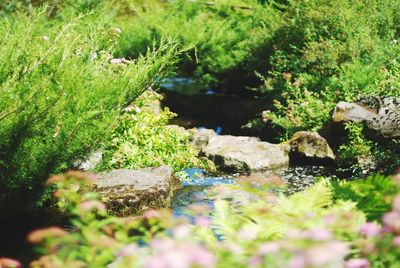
327	51
373	194
60	96
142	138
229	43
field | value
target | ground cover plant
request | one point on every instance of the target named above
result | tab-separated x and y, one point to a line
142	138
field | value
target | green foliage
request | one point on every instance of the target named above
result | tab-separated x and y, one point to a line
357	150
60	96
142	138
327	51
229	43
265	233
282	215
373	194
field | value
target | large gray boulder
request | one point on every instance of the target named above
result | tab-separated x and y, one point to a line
381	114
245	154
310	145
130	192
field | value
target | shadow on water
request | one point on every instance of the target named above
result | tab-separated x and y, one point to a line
198	106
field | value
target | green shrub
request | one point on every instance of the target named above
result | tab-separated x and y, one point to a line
356	151
327	51
142	138
229	43
60	96
373	194
330	51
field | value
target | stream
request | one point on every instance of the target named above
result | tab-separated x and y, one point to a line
201	107
197	184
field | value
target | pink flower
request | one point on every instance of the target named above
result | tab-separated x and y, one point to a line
357	263
182	231
396	241
297	262
268	248
370	229
396	203
150	214
92	205
128	250
319	234
247	233
203	221
40	235
255	261
324	254
9	263
200	256
171	259
392	220
234	248
181	256
162	244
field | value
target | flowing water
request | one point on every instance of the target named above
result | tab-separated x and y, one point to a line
198	106
196	185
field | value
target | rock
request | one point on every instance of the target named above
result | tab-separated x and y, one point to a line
91	162
245	154
130	192
200	137
381	114
310	145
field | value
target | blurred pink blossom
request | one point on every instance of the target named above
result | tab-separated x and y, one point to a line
392	220
268	248
200	256
173	255
327	253
92	204
255	261
357	263
162	244
319	234
234	248
396	241
182	231
149	214
247	233
9	263
297	262
171	259
396	203
128	250
370	229
203	221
